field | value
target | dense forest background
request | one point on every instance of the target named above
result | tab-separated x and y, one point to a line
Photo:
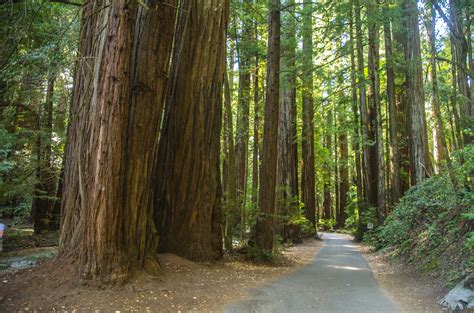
195	127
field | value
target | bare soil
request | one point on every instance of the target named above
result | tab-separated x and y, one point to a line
183	286
404	285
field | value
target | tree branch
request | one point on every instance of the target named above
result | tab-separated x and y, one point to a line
447	21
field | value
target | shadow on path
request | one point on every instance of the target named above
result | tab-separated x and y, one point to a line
338	280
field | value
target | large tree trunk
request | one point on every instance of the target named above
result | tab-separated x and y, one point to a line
267	194
308	186
420	156
107	225
188	196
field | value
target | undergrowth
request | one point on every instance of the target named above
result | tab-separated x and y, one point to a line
432	226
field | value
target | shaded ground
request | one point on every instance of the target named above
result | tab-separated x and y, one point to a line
22	237
404	285
183	286
338	280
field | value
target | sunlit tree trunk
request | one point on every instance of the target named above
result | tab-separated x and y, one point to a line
229	177
440	138
420	156
243	112
355	112
327	203
308	185
392	116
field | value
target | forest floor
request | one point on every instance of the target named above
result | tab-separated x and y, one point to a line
183	286
412	292
186	286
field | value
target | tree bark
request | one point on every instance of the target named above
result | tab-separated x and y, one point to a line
343	179
243	113
256	131
45	186
288	156
460	56
268	174
375	114
229	170
327	203
420	156
355	112
107	227
188	202
440	138
392	116
368	192
308	185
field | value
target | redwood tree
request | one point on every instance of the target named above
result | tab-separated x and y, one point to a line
107	225
308	184
267	192
188	199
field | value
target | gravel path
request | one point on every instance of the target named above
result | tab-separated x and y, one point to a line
338	280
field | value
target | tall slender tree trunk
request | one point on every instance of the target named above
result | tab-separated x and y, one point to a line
459	142
355	112
308	185
364	119
188	202
107	225
327	203
392	113
45	187
375	112
343	179
243	113
285	125
460	57
268	182
230	170
403	140
420	156
256	124
440	138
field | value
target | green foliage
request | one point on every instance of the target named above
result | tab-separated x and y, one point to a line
327	224
432	225
302	221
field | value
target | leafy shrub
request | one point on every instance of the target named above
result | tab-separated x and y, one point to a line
432	225
327	224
